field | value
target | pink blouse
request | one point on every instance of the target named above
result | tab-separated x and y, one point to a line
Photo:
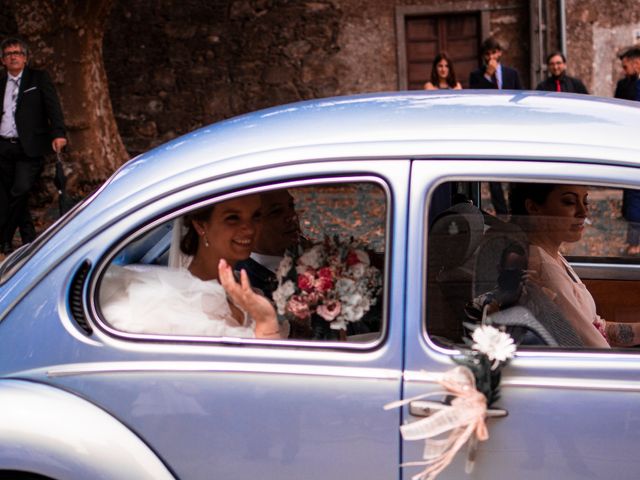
564	287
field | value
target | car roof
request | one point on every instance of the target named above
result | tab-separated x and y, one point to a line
416	124
406	117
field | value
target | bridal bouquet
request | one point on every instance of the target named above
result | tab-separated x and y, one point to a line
333	280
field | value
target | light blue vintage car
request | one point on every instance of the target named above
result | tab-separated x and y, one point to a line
408	175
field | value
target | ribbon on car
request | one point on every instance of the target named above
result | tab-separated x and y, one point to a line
463	419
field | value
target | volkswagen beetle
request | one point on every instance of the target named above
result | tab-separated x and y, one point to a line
82	398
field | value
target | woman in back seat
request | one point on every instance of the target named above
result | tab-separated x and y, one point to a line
551	215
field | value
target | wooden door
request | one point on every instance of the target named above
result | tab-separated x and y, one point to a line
456	34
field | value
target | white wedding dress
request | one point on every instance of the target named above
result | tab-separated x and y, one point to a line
161	300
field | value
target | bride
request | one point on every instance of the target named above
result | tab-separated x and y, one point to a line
201	296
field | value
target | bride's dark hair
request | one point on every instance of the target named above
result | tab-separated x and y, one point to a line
189	243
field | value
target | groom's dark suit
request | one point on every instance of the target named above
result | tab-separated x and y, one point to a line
39	120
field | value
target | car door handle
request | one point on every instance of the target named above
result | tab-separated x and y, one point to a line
425	408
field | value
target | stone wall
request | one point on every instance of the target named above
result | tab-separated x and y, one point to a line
595	35
174	66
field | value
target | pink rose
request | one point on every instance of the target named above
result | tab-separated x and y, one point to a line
298	306
306	281
329	311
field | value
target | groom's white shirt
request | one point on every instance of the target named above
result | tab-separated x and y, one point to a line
268	261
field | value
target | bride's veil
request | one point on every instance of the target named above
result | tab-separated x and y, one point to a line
177	259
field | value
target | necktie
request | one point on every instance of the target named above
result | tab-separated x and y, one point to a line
14	95
494	80
558	89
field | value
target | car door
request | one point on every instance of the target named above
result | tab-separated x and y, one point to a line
233	408
572	412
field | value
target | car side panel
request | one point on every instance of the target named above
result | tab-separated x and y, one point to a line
48	431
238	425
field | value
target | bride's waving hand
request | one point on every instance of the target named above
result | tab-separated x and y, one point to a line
243	296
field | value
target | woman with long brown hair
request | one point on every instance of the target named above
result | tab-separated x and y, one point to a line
443	76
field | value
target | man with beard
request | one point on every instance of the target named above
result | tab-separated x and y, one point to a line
559	81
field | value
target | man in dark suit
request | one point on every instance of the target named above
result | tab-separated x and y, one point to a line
31	126
493	74
280	230
559	81
626	87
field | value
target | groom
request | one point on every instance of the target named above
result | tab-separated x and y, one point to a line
280	230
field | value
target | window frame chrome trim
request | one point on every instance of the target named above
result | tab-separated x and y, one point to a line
91	302
460	174
107	368
517	381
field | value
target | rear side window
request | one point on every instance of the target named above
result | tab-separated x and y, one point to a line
314	258
555	264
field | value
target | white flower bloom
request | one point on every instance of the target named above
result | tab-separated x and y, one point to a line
345	287
285	265
354	306
496	345
358	270
282	294
338	324
312	257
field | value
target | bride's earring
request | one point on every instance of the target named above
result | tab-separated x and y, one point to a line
204	237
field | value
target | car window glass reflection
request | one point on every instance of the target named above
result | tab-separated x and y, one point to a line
301	263
513	268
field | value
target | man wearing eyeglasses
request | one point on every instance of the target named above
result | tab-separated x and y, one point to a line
31	126
558	80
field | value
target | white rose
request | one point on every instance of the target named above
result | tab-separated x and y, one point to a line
282	294
312	257
285	265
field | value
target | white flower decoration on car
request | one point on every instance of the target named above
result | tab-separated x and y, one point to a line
496	345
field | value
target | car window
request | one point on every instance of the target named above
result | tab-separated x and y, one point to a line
612	211
557	266
314	258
